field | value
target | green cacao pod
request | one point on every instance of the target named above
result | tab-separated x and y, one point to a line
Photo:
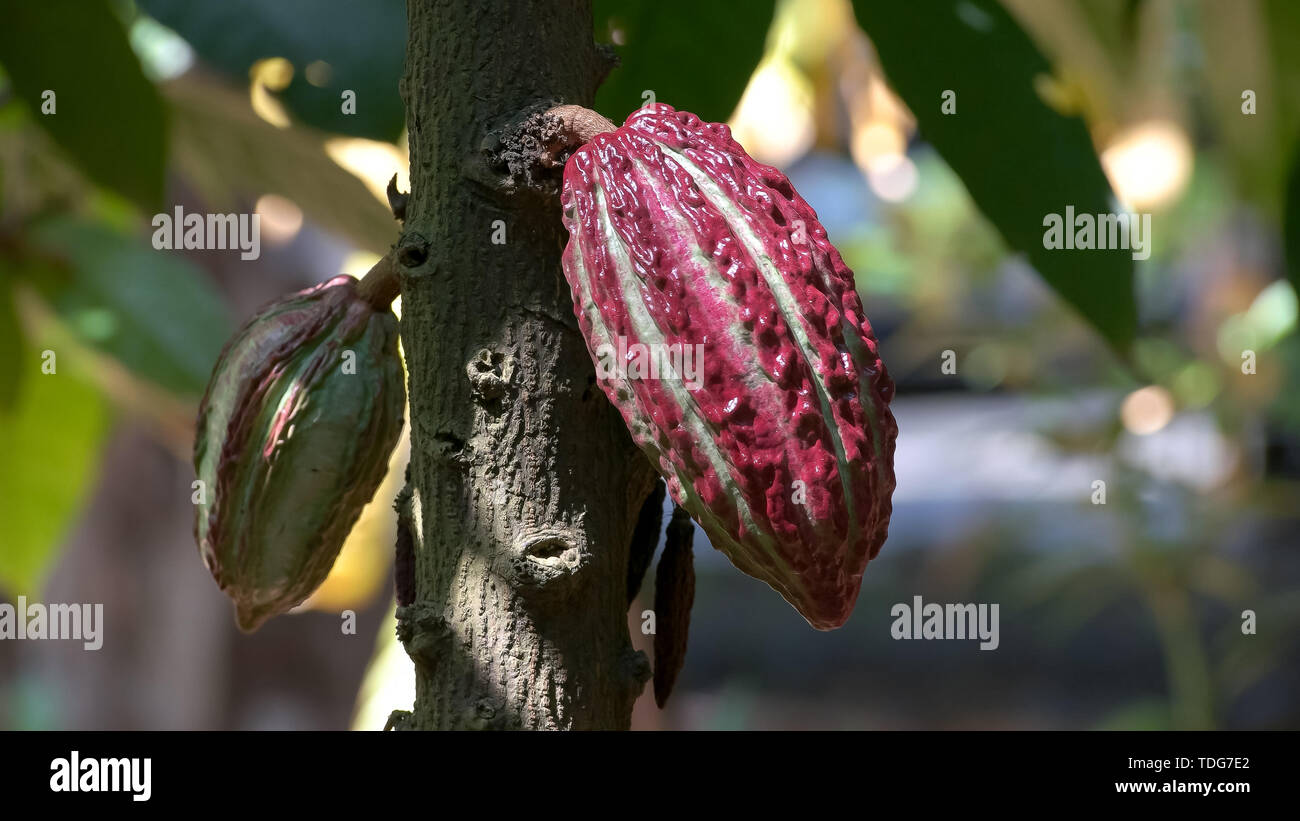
686	254
302	412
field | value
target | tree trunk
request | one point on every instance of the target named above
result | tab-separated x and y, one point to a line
523	486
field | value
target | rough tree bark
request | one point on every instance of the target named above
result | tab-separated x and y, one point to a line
523	486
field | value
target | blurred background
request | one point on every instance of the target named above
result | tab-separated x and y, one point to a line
1107	448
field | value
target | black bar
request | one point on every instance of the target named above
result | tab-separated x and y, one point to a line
995	770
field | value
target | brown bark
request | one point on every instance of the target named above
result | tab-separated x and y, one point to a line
523	484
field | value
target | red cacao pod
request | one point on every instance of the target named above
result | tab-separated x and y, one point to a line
781	445
294	434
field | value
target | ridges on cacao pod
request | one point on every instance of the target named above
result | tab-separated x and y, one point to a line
294	434
683	250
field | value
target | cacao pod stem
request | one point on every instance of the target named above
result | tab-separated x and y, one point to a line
577	127
380	286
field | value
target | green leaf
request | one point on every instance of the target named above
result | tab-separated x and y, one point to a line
1019	159
51	442
107	115
695	56
363	45
11	346
151	310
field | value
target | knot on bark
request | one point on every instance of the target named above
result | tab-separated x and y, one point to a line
528	153
632	671
489	378
489	714
636	668
516	154
425	634
441	444
413	253
549	562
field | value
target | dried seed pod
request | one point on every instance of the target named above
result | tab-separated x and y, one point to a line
674	596
685	254
645	538
294	434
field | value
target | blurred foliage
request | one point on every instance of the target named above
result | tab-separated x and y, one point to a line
1046	90
359	49
108	116
1166	551
11	347
226	151
1249	45
657	53
1280	30
162	320
1018	158
364	53
1291	230
51	441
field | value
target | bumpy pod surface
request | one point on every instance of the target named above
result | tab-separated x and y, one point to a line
294	436
773	427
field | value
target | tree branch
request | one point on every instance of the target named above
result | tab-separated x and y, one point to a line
524	486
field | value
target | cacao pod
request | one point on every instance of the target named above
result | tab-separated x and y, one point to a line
685	251
293	440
